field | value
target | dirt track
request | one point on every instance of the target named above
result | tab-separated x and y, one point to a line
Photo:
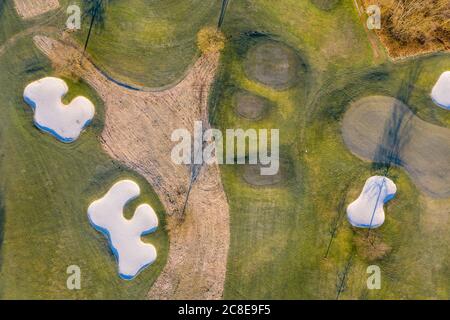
384	130
32	8
138	126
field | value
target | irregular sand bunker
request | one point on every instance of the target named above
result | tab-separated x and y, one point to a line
250	106
367	211
273	64
441	91
106	215
32	8
65	122
383	130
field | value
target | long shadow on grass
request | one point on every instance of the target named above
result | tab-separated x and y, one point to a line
397	129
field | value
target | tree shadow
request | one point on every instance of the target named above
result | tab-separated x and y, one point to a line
397	129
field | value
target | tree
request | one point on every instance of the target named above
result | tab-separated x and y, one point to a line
96	10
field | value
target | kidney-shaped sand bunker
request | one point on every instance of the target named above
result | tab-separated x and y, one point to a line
384	130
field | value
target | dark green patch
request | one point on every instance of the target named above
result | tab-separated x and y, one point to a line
251	106
326	5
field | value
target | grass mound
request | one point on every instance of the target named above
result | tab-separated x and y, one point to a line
251	106
273	64
252	175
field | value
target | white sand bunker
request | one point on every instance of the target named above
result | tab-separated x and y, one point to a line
65	122
106	215
441	91
367	211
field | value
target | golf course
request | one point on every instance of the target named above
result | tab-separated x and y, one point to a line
345	110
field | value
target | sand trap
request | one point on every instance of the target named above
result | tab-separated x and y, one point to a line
65	122
106	215
441	91
384	130
32	8
273	64
367	211
250	106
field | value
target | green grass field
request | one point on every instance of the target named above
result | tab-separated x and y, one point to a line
150	43
288	241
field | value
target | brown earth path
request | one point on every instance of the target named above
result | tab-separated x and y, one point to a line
32	8
137	131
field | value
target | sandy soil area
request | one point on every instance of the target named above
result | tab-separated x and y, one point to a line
31	8
137	132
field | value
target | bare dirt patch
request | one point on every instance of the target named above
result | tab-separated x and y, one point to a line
250	106
273	64
384	130
32	8
138	127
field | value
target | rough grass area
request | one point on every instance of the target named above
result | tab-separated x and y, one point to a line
46	187
9	21
149	43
